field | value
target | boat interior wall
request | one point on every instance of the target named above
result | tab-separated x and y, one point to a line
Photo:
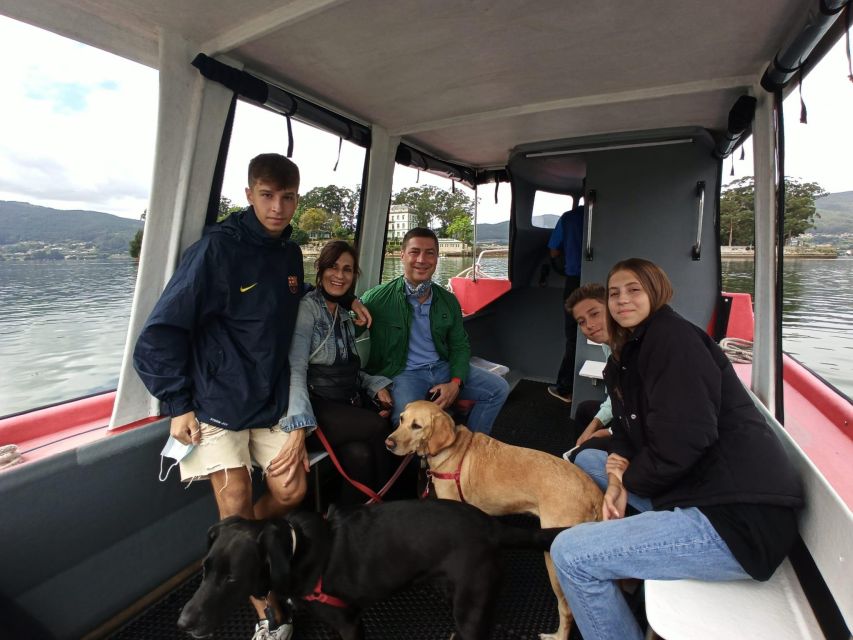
192	116
522	329
646	205
95	531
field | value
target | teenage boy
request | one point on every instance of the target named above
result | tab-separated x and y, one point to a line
417	339
215	353
587	305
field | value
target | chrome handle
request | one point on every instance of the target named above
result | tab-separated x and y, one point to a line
590	210
700	203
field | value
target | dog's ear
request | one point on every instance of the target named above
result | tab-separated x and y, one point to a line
275	544
213	533
442	432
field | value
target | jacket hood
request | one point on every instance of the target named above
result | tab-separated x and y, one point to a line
244	225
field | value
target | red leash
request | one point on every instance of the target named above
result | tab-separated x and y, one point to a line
370	493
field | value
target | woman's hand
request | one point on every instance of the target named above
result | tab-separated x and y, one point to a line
362	315
292	454
615	500
185	428
616	465
383	397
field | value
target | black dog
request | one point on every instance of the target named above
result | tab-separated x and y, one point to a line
341	565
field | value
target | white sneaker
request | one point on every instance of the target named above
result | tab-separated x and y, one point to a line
263	632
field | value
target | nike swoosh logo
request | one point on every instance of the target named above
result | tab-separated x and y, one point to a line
245	289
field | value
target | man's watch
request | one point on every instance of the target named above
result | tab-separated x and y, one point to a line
458	381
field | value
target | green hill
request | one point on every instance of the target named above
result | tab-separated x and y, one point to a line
32	231
498	232
836	214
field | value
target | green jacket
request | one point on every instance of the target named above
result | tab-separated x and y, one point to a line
392	322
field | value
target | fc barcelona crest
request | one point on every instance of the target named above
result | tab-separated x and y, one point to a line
293	283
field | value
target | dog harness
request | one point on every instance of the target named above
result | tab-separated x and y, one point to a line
318	596
456	476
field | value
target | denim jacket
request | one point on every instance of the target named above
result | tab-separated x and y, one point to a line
314	342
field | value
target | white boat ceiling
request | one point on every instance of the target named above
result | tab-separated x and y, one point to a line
467	80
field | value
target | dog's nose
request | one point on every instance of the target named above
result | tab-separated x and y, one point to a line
390	444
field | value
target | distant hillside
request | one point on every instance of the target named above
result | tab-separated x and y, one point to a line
30	232
22	222
836	213
498	232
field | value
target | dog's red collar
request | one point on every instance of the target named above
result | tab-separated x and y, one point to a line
456	475
318	596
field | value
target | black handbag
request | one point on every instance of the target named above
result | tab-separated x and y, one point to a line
336	382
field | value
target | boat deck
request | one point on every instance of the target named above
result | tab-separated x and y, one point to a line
530	418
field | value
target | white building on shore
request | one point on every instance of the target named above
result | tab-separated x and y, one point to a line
400	221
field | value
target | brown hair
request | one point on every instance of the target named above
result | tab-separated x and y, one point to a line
420	232
656	285
274	168
329	255
589	291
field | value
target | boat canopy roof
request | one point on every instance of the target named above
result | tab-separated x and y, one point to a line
467	81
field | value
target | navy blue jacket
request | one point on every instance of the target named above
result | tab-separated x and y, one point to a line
218	339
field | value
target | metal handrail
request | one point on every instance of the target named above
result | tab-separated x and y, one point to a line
475	268
590	211
700	204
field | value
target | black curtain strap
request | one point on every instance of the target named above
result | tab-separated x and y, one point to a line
289	137
742	153
804	116
340	144
847	37
497	184
418	177
453	185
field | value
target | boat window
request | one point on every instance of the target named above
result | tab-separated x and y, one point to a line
423	199
76	170
330	188
548	207
817	314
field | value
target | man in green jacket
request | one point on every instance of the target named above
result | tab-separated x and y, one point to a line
417	339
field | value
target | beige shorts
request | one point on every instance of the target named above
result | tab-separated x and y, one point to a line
223	449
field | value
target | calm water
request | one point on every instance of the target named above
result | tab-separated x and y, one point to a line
62	324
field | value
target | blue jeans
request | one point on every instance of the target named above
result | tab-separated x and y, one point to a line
487	390
653	545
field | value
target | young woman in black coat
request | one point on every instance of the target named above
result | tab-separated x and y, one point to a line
714	490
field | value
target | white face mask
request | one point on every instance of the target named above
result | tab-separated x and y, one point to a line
175	450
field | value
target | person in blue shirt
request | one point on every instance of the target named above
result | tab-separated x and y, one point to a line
566	242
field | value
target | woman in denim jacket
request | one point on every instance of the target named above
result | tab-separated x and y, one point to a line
327	385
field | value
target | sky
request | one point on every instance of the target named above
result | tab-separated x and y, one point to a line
79	129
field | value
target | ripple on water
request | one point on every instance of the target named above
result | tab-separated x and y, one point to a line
63	325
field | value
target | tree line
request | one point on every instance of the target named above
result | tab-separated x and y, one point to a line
737	210
331	212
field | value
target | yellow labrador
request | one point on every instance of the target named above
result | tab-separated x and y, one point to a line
498	478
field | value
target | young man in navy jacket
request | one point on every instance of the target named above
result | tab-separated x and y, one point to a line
215	352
